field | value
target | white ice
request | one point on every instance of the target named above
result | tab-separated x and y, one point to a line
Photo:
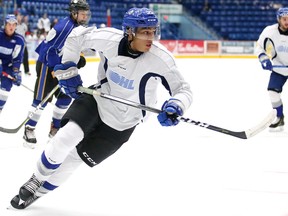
185	170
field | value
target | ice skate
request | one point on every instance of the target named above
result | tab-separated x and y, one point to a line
53	130
18	203
27	193
29	137
277	125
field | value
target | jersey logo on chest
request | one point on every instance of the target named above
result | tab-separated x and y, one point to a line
282	48
121	80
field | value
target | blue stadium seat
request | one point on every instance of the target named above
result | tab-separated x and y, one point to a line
249	18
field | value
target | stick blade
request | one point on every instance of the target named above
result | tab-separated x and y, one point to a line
9	130
13	130
262	125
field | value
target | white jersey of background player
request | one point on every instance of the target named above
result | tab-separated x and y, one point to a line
272	50
131	67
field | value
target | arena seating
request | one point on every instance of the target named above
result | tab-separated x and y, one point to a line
232	19
58	9
236	19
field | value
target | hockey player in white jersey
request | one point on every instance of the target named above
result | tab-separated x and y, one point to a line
93	128
272	50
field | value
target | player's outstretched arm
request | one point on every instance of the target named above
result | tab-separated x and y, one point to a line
68	78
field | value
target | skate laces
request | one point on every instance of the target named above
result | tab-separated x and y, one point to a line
33	184
29	132
279	121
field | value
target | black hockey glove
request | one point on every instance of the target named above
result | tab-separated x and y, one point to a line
82	62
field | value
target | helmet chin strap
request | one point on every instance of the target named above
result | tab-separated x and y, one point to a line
74	16
131	51
282	30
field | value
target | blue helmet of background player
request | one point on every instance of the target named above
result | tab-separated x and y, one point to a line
282	12
140	18
11	18
76	6
10	24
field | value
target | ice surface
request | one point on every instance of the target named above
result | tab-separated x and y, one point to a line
184	170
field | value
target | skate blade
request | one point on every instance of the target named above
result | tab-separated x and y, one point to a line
29	145
50	136
11	208
277	129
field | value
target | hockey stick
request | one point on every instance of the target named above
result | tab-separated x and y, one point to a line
242	134
280	66
12	78
15	130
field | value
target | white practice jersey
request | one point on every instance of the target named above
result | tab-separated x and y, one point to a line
275	45
134	79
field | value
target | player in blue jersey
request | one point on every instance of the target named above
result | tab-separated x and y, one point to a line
11	56
272	51
132	66
49	55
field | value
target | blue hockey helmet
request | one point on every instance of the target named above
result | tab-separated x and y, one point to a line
282	12
140	18
11	18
